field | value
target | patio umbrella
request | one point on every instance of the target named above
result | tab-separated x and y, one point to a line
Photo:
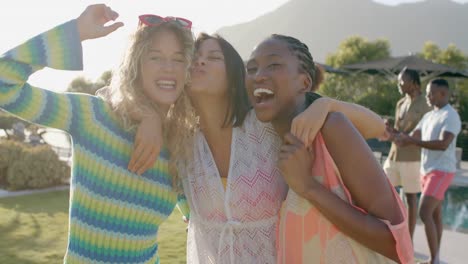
392	66
330	69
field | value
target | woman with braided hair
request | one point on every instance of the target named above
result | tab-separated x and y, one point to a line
340	207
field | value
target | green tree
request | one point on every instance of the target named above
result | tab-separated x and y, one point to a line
83	85
105	78
453	57
375	92
430	51
358	49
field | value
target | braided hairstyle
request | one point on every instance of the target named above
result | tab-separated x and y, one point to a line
302	53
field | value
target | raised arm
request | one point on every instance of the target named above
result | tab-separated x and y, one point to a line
58	48
306	125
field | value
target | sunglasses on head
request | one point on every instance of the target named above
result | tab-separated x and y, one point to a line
154	20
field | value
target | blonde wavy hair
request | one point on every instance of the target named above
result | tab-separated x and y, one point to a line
127	97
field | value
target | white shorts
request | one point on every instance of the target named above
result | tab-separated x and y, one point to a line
405	174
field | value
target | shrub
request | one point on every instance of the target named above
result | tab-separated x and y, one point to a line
10	151
26	167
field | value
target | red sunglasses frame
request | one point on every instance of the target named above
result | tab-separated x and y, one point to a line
142	20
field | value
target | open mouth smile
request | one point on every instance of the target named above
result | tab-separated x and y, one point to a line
263	95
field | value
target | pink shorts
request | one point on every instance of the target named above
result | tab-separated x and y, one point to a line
435	183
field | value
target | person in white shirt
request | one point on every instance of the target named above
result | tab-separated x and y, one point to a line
436	134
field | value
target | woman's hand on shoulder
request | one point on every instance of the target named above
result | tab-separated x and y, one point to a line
307	124
92	22
147	145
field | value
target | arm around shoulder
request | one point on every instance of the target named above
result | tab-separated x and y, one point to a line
306	125
367	122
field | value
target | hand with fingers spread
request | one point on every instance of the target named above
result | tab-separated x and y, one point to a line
148	144
295	163
92	22
307	124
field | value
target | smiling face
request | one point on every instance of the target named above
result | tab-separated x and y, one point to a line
163	69
209	70
275	83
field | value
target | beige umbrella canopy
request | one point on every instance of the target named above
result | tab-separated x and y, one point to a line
330	69
392	66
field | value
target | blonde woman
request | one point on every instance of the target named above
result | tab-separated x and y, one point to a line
114	214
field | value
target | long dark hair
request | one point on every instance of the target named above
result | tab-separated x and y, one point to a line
238	100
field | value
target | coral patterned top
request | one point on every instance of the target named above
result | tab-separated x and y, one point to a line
306	236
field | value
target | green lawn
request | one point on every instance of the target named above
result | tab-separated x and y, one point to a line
33	229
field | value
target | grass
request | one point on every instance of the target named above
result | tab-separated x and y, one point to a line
33	229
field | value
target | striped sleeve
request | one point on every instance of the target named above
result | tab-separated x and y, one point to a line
58	48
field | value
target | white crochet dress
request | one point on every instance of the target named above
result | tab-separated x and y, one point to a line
237	225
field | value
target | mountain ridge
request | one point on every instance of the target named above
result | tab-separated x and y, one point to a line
324	24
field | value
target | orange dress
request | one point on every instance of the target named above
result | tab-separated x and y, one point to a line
306	236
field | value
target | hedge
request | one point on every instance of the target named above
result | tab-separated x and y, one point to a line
26	167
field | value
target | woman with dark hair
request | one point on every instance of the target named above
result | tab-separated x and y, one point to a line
238	104
232	195
340	208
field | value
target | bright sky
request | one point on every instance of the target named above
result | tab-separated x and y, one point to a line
23	19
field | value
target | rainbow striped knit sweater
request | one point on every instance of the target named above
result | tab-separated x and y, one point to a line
114	214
